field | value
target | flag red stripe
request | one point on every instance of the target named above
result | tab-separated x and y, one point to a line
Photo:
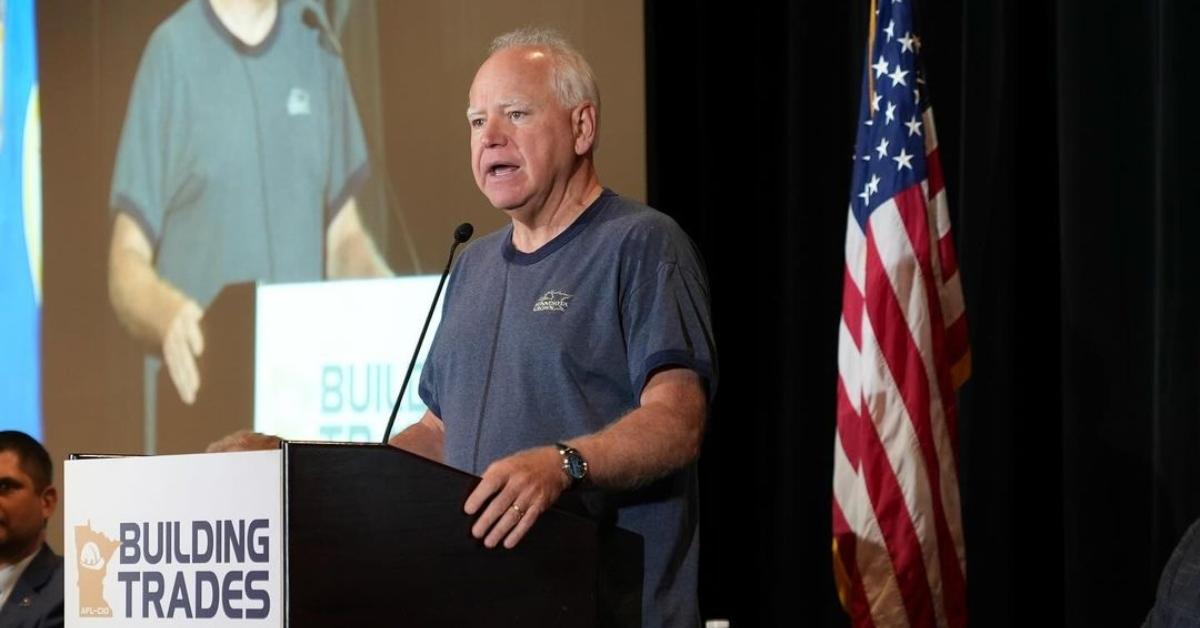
914	212
933	170
957	342
948	256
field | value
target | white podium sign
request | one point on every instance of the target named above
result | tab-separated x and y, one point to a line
192	540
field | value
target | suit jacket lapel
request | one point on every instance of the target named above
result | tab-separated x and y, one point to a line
30	583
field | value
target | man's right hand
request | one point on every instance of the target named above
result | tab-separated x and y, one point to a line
182	343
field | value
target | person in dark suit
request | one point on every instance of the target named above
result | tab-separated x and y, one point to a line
31	574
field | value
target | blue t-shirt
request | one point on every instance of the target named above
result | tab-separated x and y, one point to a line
234	158
540	347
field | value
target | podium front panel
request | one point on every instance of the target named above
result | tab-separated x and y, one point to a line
190	540
377	536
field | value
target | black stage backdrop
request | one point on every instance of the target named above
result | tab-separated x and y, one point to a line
1072	169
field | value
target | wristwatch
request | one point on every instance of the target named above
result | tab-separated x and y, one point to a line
573	463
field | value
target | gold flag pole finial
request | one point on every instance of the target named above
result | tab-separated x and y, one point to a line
870	48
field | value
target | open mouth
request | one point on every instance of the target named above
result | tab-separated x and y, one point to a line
501	169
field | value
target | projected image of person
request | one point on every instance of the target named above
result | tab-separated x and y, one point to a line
239	160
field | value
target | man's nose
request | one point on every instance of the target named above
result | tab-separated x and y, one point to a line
493	133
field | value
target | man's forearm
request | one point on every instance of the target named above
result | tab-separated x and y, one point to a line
661	436
424	438
639	448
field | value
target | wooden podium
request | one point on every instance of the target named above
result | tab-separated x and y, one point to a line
367	535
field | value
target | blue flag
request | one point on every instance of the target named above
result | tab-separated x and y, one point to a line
20	220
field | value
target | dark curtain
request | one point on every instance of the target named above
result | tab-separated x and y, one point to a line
1072	171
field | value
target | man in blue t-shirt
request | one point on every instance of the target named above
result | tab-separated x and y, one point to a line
575	347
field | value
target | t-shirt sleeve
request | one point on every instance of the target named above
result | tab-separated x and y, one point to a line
431	376
348	165
147	171
668	324
428	388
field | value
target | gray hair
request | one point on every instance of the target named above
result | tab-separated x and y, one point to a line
574	81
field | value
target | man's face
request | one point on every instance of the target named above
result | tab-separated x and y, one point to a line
23	509
522	142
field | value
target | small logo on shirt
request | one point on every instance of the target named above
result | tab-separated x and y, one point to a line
553	301
298	102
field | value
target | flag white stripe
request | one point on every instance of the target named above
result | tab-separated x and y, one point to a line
849	360
941	213
931	138
953	306
856	252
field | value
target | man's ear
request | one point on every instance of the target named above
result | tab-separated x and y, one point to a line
583	127
49	501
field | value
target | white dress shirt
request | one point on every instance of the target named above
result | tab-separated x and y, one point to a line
10	574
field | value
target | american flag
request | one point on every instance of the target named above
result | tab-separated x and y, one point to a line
899	554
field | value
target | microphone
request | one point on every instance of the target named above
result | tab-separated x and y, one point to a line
314	17
461	234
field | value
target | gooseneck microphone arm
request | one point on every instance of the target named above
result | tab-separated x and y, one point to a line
461	234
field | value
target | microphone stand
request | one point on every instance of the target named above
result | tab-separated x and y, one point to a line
461	234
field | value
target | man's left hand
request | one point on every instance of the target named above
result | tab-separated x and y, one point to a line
521	487
244	440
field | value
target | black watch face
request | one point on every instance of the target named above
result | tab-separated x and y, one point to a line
575	466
